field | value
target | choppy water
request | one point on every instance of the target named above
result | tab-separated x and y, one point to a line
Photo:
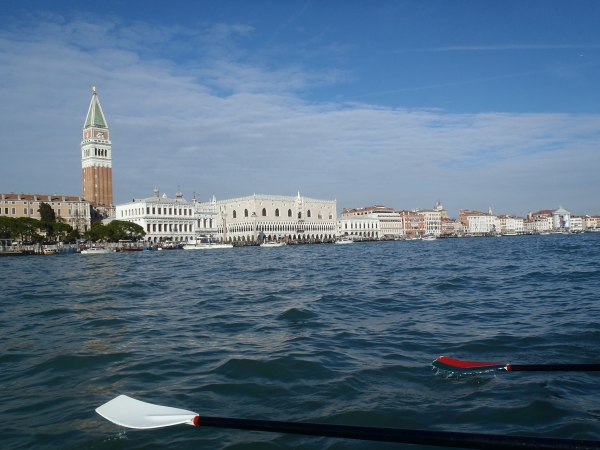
322	333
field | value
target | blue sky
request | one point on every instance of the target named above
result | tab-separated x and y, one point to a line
475	104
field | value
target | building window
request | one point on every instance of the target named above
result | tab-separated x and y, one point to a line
59	212
289	213
153	227
148	228
277	213
245	213
308	213
147	210
14	210
299	214
160	227
320	216
234	214
24	210
264	212
153	210
330	216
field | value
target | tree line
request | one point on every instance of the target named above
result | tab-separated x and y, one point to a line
27	229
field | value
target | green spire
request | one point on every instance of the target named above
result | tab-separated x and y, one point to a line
95	116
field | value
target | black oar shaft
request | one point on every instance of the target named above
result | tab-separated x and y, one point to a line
553	367
399	435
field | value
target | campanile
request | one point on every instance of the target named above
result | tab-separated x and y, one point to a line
96	157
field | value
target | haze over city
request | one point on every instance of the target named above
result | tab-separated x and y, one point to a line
393	103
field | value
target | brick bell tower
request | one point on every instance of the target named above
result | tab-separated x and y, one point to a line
96	157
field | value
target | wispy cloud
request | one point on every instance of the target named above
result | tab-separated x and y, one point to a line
232	127
473	48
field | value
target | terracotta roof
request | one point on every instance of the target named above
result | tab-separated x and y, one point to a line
43	197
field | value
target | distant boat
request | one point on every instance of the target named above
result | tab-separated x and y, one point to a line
429	237
272	244
511	233
97	251
344	241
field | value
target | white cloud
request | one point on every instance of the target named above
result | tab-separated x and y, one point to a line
224	122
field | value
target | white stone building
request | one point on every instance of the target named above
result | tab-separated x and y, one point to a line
359	227
433	220
169	219
273	217
477	222
561	218
576	223
388	222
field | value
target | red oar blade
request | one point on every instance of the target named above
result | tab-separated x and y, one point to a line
458	366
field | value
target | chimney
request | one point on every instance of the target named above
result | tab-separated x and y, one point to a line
64	199
49	198
3	197
19	197
35	197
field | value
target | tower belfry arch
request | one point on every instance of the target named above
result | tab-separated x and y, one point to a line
96	156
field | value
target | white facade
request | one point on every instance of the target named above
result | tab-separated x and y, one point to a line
390	224
362	227
576	223
433	221
167	219
561	218
276	217
482	223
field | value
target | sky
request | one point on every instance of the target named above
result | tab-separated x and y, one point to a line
398	103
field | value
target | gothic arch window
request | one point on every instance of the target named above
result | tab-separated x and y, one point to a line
299	214
289	213
234	214
277	213
320	216
264	212
245	213
308	213
330	216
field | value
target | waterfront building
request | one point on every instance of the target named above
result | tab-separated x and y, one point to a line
561	218
478	223
96	157
362	226
68	209
388	222
272	217
413	223
166	219
589	223
448	226
576	223
510	224
542	220
433	221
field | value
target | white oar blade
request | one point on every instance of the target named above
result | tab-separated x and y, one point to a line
131	413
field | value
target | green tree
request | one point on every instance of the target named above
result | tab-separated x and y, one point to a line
97	232
123	230
47	214
26	229
60	230
7	224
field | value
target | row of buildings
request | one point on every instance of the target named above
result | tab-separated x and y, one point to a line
258	217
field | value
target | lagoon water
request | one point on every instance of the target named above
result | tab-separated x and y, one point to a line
321	333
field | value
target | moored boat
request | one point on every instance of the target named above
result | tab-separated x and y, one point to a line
344	241
97	251
272	244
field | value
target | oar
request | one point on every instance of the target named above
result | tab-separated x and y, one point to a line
459	366
132	413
